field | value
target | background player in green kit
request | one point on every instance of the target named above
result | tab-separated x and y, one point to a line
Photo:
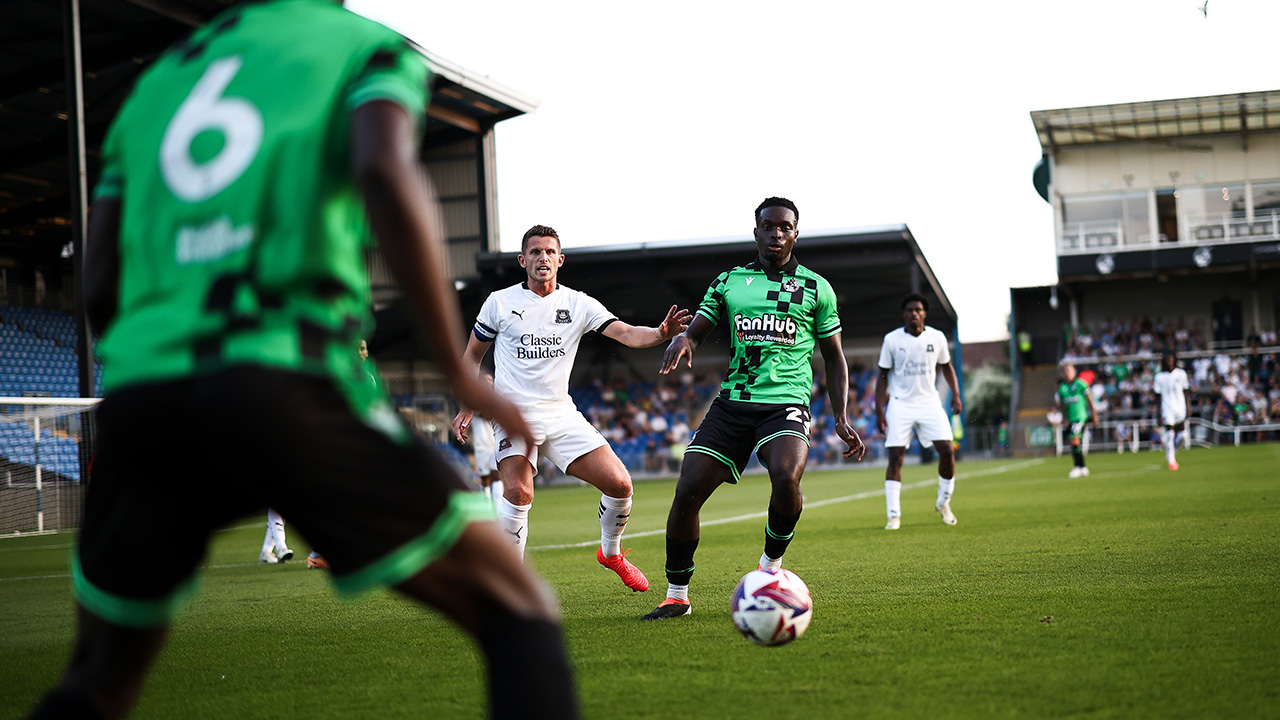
1076	401
225	277
777	310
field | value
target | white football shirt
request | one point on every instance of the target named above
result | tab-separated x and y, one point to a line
912	362
1170	386
536	341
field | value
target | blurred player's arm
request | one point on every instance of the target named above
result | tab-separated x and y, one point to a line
1088	396
471	357
685	344
102	264
838	393
405	215
677	321
949	374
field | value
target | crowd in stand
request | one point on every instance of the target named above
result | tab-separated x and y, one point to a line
1230	388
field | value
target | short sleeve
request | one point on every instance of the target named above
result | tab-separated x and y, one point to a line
487	322
826	318
713	301
395	72
886	355
944	353
597	316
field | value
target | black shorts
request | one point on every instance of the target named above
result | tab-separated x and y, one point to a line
178	460
732	430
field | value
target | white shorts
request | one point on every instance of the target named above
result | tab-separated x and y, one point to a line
561	437
928	420
485	445
1170	419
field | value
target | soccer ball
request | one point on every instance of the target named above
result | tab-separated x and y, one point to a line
771	607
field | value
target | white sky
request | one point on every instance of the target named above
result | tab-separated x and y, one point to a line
666	120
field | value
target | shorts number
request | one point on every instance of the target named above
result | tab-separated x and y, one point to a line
205	109
799	415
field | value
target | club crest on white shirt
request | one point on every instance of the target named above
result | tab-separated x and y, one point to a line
562	317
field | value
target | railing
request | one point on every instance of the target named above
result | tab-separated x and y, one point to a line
1232	227
1218	228
1091	237
1200	432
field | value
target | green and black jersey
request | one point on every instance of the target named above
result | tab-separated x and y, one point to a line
242	234
775	320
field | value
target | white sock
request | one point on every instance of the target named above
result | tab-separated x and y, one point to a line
614	513
497	487
275	524
1170	446
946	486
769	563
678	592
514	520
893	498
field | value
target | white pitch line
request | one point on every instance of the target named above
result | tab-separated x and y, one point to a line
815	504
650	533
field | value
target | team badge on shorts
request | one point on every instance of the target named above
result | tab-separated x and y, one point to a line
505	444
562	317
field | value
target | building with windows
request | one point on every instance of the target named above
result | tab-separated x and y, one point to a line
1166	221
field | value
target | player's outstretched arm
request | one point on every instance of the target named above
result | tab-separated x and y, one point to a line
838	393
682	346
405	215
677	321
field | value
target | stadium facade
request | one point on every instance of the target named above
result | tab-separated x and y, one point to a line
1165	212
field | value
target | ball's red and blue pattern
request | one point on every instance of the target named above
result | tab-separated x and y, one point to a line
771	607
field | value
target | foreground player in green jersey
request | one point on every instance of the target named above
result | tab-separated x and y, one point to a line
225	276
777	310
1076	401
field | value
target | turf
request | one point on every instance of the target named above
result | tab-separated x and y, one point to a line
1133	593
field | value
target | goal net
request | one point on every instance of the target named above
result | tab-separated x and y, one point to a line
45	448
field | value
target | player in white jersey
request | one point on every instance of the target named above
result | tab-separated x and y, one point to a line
907	399
1173	387
535	328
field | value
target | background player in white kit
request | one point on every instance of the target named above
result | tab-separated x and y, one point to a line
907	399
1173	387
535	328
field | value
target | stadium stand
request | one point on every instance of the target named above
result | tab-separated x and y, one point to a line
1228	387
37	359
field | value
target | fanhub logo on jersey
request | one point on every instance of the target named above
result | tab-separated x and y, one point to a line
767	328
533	347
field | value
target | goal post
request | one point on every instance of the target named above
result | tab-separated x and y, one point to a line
45	448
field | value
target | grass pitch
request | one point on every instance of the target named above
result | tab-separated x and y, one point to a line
1133	593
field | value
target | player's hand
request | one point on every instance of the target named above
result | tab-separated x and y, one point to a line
956	404
462	423
475	394
851	438
680	347
881	422
675	323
